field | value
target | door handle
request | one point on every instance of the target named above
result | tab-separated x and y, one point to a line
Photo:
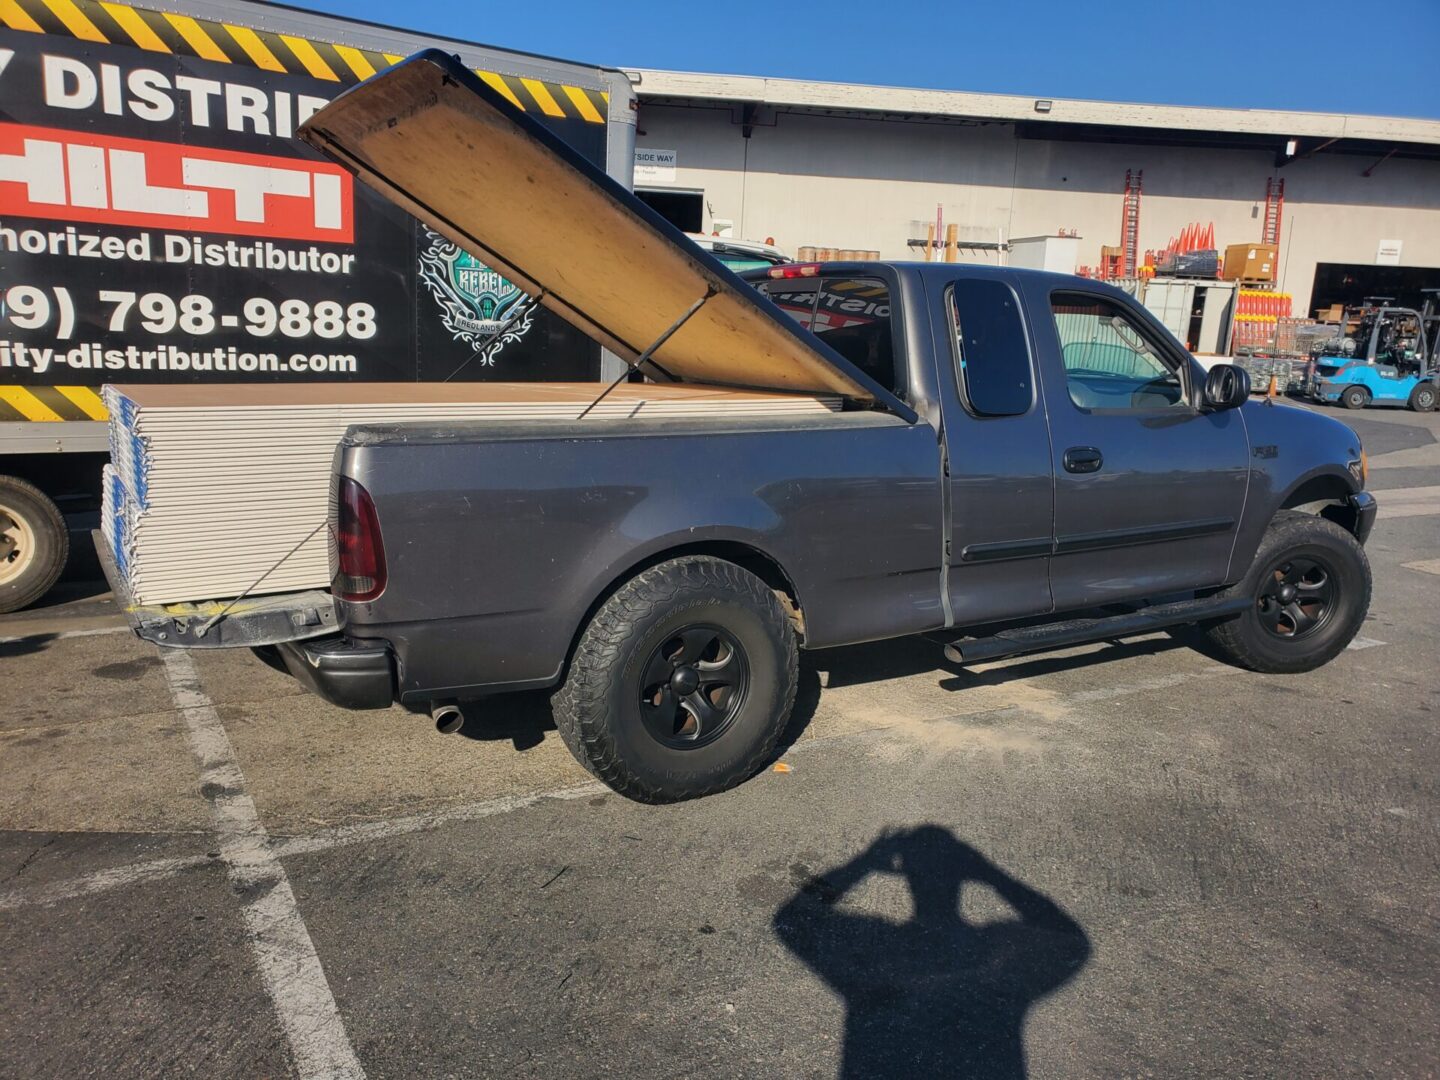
1083	459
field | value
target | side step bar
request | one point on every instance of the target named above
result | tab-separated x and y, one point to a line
1062	635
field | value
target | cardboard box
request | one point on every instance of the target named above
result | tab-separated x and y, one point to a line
1333	314
1249	262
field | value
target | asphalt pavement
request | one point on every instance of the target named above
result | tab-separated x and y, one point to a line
1120	860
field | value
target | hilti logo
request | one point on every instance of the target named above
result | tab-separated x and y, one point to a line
76	176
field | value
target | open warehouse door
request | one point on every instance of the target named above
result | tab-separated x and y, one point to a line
1350	284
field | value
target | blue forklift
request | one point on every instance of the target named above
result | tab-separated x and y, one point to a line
1393	359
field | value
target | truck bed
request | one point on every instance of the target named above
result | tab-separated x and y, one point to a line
215	490
500	536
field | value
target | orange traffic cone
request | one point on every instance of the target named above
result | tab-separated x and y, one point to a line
1274	389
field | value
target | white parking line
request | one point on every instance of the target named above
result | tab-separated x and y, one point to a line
284	847
114	878
66	634
285	955
1408	502
1363	643
368	831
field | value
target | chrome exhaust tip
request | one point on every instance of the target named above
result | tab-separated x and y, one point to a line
447	716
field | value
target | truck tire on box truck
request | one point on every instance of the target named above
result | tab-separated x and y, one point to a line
160	222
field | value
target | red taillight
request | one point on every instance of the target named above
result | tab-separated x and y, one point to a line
794	270
359	551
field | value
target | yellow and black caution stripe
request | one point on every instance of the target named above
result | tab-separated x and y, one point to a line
50	402
231	43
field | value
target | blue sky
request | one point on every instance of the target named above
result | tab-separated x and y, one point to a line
1283	54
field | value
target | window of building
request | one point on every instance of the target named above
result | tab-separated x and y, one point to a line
992	358
1111	361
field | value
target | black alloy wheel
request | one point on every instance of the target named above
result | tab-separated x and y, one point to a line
682	682
1308	591
693	686
1296	597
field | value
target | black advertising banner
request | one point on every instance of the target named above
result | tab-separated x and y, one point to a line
159	222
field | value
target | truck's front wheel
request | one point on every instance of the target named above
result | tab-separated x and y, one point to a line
1310	591
681	683
34	544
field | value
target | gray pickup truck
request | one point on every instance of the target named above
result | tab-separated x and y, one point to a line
1023	461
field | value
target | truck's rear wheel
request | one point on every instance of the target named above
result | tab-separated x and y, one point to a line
33	544
1310	583
1355	397
1422	398
681	683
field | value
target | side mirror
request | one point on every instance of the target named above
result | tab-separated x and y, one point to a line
1226	387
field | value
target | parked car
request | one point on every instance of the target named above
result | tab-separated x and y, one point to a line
740	255
1023	461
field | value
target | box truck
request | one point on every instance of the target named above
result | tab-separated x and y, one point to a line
160	222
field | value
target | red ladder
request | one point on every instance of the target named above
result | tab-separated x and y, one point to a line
1274	209
1130	224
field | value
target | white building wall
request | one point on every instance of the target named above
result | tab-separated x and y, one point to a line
848	183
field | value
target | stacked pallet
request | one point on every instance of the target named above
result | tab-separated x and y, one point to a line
211	489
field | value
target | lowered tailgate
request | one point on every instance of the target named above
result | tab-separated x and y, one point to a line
248	622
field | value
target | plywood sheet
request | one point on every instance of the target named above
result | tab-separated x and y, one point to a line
438	142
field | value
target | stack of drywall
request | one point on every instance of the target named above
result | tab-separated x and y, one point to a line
212	489
112	516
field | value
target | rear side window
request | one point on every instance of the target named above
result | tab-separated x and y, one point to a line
852	316
991	355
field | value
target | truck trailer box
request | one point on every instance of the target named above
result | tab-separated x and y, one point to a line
160	222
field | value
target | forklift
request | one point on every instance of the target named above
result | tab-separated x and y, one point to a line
1392	360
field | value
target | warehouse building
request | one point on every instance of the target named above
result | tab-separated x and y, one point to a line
870	168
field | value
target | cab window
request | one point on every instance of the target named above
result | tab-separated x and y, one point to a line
852	316
795	298
1111	361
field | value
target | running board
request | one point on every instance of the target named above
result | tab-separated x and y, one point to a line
1062	635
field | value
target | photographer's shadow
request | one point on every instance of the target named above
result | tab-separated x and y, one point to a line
937	996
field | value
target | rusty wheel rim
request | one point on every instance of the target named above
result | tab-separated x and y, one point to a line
693	686
1297	597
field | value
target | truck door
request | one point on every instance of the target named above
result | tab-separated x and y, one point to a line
1148	489
1000	486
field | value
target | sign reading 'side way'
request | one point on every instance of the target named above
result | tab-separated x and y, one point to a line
654	166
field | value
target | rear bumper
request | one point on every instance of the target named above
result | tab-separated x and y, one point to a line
1364	506
351	674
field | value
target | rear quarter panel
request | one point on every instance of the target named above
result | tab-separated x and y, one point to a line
500	538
